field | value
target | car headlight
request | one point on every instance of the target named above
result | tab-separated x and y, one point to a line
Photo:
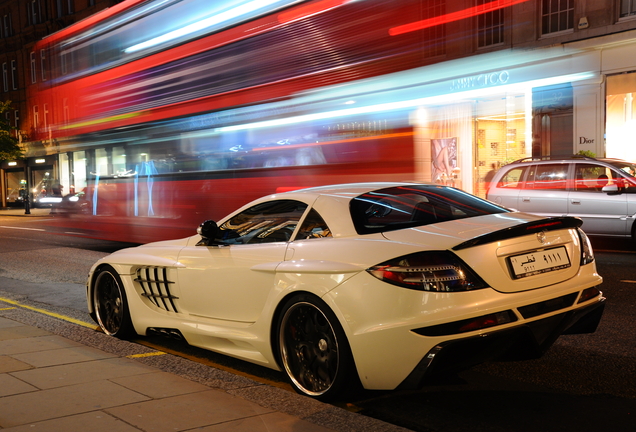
439	271
587	254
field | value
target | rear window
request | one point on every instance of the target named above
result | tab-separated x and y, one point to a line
415	205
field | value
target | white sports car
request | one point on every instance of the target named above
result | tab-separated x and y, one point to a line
387	284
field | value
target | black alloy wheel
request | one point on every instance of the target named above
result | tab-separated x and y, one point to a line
110	304
313	349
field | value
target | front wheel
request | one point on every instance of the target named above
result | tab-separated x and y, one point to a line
313	349
110	304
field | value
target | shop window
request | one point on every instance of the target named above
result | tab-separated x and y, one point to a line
557	16
490	26
628	8
79	170
621	116
102	163
119	161
14	180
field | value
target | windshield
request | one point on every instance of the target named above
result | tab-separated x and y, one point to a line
415	205
627	168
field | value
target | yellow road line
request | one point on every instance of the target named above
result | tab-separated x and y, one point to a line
53	314
71	320
146	354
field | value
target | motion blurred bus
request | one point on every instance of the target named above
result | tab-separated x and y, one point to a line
165	113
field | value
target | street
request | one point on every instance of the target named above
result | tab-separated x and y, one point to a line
585	382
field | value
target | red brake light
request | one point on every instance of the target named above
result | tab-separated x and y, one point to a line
428	271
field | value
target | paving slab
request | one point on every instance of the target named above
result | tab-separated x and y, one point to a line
79	373
56	376
10	385
95	421
62	356
26	344
187	411
64	401
11	364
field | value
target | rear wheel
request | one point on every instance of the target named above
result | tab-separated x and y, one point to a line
110	304
313	349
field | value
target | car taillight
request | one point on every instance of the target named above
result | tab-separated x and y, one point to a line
439	271
588	294
587	254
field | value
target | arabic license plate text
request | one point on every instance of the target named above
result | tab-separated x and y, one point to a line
534	263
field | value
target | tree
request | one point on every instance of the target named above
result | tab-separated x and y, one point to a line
9	148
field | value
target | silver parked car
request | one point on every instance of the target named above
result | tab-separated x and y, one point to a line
602	192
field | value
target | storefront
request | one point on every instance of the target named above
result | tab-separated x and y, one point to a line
488	118
614	97
37	176
13	183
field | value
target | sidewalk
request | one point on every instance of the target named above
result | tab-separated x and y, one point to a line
19	211
53	378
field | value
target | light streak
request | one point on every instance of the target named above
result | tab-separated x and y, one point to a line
454	16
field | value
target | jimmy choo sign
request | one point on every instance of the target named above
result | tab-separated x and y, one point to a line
481	80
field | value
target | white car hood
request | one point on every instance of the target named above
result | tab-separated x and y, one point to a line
164	253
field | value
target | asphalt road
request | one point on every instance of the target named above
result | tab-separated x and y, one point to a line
584	383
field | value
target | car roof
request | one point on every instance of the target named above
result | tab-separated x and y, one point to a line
567	159
350	189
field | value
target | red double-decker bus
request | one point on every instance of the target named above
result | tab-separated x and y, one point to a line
165	113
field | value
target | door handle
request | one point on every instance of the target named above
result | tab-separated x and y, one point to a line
575	201
525	199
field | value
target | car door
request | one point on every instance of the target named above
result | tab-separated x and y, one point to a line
233	280
602	213
545	190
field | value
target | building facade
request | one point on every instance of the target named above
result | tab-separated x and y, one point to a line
22	24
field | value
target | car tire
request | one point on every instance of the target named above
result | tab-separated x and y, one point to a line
110	304
313	349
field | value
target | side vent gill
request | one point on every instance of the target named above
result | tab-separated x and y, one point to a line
155	286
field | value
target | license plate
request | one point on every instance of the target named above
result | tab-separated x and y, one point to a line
534	263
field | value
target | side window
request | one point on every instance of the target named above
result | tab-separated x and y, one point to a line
591	178
548	177
313	226
512	179
272	221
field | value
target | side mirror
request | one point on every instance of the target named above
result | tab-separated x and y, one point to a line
208	230
610	189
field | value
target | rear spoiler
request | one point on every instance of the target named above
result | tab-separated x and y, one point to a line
548	224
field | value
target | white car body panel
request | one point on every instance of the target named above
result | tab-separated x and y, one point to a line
227	296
